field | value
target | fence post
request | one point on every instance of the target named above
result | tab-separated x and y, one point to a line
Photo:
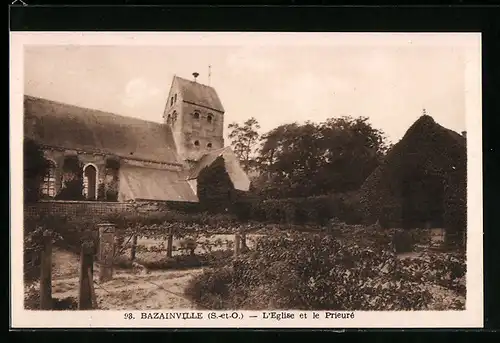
106	251
244	241
46	272
86	276
170	241
237	244
133	248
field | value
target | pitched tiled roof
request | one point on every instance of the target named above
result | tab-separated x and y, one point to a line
61	125
140	183
199	94
205	161
236	173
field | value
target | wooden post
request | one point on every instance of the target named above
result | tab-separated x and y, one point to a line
92	290
106	251
170	241
46	273
86	276
133	248
237	244
244	241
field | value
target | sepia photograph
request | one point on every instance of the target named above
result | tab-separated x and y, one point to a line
165	177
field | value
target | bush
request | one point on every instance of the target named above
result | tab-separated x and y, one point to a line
321	272
403	241
314	210
35	167
211	288
215	188
69	231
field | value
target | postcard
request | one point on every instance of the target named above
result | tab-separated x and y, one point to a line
245	180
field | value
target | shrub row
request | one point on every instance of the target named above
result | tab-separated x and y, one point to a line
318	209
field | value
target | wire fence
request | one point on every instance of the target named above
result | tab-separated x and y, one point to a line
67	270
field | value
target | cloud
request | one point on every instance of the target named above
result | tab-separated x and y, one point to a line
138	92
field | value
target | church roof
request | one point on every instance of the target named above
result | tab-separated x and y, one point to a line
199	94
140	183
61	125
236	173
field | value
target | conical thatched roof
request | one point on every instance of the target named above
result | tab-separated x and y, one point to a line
427	149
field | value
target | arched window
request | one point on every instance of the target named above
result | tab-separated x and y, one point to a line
210	118
196	115
196	143
175	98
49	180
90	181
209	145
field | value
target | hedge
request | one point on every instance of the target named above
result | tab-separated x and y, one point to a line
317	210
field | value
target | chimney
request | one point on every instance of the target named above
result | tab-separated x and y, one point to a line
195	74
464	134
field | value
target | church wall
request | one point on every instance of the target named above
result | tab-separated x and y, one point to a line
58	156
172	115
98	160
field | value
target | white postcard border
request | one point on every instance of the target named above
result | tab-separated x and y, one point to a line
471	317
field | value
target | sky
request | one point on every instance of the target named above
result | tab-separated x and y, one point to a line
390	84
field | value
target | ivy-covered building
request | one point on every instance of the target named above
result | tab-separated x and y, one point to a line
94	155
422	182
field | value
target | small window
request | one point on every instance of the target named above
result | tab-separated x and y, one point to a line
175	98
171	101
196	143
196	115
209	145
209	118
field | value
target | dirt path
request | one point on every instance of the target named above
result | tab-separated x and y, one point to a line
127	291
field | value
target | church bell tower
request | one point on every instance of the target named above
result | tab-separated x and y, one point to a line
195	115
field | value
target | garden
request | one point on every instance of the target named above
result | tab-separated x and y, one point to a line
347	268
308	266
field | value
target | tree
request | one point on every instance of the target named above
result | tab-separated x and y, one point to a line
35	167
352	151
244	139
215	189
311	159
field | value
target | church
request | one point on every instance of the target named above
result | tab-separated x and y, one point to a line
119	158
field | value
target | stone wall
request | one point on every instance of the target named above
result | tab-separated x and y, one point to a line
100	209
76	208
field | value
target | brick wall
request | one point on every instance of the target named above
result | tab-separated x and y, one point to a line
75	208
